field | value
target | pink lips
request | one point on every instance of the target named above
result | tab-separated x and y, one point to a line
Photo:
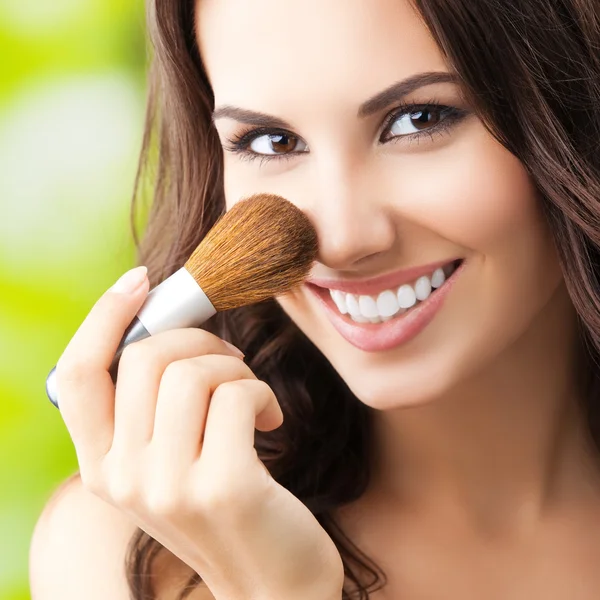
376	337
375	285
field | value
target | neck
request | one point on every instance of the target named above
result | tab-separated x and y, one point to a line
507	443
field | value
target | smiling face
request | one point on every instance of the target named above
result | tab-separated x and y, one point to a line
348	110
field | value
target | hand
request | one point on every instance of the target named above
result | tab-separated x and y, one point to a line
172	446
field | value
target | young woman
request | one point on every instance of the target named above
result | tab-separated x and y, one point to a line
426	404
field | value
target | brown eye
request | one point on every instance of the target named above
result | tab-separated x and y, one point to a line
414	121
277	143
283	143
424	118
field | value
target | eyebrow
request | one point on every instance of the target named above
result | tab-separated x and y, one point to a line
391	94
250	117
398	90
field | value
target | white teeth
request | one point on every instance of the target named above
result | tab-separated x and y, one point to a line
340	300
438	278
387	304
368	307
423	288
406	296
352	305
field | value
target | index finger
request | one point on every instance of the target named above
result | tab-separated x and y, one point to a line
84	385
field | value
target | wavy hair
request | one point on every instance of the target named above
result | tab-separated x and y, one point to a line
531	69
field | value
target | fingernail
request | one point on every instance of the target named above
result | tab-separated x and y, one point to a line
130	281
236	350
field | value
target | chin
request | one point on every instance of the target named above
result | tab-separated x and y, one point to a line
400	378
386	384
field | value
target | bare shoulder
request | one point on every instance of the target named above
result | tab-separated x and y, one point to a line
78	550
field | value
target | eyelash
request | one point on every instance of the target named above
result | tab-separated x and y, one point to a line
239	144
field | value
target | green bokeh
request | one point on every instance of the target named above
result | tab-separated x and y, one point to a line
72	94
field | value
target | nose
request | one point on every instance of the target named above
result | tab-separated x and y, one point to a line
354	223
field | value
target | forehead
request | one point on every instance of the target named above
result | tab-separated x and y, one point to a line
272	53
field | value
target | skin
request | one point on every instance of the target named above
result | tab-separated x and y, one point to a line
482	467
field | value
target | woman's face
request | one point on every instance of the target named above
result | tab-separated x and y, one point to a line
325	103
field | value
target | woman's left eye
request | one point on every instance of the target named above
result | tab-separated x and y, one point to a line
417	120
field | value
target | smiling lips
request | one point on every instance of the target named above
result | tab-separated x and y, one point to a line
362	305
386	311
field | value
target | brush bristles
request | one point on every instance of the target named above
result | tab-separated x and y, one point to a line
263	247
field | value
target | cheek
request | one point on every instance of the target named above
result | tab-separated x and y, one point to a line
474	193
235	185
242	178
480	198
291	179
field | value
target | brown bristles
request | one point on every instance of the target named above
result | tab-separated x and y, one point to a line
263	247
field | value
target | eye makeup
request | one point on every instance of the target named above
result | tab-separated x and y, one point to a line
427	119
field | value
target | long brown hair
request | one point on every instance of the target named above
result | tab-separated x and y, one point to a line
531	69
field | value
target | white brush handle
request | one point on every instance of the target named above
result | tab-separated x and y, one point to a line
176	302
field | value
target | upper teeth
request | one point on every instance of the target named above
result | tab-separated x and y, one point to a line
388	303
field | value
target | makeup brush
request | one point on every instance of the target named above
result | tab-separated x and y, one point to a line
262	247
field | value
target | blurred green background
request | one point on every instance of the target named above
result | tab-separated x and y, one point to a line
72	94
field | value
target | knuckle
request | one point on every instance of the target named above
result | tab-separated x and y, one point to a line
123	491
240	389
71	369
259	387
137	353
162	501
231	389
185	370
217	500
212	360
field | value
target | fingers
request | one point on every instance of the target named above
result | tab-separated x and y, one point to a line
85	389
141	368
183	403
229	433
180	394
